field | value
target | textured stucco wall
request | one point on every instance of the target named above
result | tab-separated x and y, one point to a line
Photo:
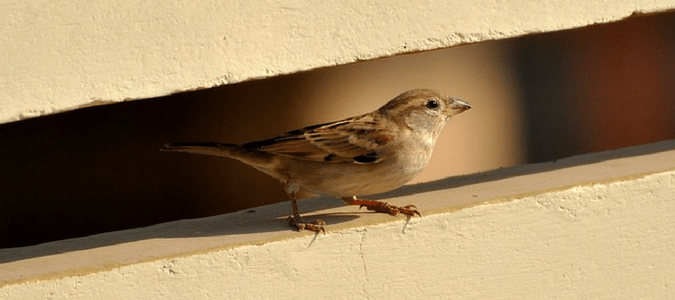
62	55
599	226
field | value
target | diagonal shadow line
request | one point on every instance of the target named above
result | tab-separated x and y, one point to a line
273	216
499	174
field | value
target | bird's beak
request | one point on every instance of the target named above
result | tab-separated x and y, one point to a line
457	106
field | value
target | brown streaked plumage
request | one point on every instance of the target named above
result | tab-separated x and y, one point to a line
367	154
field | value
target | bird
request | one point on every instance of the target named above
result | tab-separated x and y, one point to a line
363	155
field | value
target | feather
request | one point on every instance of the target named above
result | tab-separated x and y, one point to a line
355	139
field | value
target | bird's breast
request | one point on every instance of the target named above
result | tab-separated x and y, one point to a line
344	179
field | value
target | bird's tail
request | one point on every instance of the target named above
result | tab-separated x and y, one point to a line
205	148
258	159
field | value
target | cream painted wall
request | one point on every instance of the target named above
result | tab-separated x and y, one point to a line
604	238
62	55
598	226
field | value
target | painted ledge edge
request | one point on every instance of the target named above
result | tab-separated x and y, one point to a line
261	225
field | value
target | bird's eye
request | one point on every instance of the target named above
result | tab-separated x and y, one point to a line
432	104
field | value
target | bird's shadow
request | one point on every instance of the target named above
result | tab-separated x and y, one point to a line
273	218
266	219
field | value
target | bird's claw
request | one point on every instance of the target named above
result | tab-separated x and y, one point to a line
384	207
410	210
316	225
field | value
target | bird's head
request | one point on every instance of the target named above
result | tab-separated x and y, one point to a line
423	110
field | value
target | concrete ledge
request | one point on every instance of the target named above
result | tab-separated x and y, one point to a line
64	55
592	226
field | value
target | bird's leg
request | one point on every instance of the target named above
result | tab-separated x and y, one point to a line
296	221
383	207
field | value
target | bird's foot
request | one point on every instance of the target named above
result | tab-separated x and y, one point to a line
409	210
316	225
384	207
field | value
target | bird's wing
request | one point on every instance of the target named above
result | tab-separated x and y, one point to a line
355	139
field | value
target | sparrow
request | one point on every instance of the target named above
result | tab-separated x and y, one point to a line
363	155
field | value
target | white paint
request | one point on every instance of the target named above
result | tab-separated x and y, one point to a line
62	55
